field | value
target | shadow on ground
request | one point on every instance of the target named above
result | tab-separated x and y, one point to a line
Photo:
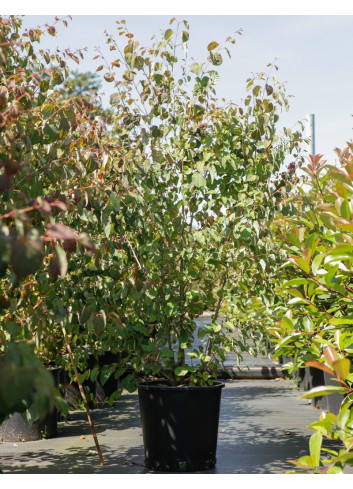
122	415
262	424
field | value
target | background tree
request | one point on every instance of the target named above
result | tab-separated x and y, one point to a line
79	84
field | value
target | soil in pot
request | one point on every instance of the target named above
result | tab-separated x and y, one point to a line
16	428
179	426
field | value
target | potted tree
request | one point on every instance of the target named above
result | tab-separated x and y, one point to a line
48	158
203	179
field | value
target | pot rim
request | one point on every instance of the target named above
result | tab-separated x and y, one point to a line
158	385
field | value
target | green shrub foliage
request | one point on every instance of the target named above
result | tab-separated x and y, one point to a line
314	310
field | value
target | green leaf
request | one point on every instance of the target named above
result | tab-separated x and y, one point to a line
128	75
26	257
94	373
333	258
99	322
85	314
45	85
344	209
341	249
185	36
198	180
287	339
196	68
295	293
287	323
168	34
57	77
338	321
52	132
130	59
315	447
296	282
167	353
323	390
139	62
48	110
316	263
216	327
212	45
214	76
301	263
342	367
62	260
293	238
181	371
216	59
344	224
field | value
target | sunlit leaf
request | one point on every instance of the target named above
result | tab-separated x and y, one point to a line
342	367
168	34
315	447
212	45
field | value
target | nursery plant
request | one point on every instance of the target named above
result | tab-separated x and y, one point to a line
204	177
315	297
48	153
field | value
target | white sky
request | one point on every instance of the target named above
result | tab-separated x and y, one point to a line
312	51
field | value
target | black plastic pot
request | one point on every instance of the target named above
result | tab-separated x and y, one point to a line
99	392
310	377
332	402
179	425
16	428
112	384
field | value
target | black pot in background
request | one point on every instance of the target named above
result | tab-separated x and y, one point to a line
112	384
179	425
16	428
317	379
313	377
310	377
99	392
304	379
332	402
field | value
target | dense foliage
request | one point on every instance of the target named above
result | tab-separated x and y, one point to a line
203	179
314	307
51	160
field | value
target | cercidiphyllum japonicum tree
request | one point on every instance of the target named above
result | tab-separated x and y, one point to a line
51	161
315	312
204	179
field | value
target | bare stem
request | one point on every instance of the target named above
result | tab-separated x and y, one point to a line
82	392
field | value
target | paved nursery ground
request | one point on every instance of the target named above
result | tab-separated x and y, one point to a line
262	424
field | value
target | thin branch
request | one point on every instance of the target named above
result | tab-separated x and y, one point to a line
82	392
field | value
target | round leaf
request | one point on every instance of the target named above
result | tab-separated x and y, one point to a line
26	257
213	45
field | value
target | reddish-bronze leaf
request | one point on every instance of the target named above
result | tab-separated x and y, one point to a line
320	366
59	231
330	354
